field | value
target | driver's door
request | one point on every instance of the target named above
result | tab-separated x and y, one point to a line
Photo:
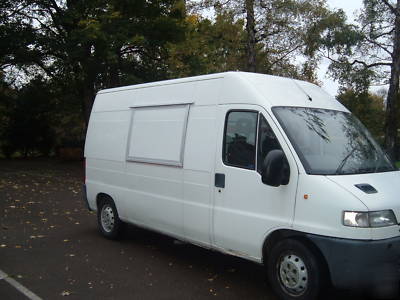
246	209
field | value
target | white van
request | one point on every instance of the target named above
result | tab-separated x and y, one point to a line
270	169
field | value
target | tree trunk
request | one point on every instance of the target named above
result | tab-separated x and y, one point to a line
251	36
391	109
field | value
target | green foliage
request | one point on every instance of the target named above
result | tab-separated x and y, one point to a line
398	164
38	118
209	47
282	33
84	46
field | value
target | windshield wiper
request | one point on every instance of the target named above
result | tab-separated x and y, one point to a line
343	162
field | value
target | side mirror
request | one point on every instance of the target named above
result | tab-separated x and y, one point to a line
275	170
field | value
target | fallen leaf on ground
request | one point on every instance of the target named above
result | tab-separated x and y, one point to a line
65	293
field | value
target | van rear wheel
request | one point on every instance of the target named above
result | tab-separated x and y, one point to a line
295	271
110	225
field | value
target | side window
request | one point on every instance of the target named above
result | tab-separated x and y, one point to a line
267	141
240	139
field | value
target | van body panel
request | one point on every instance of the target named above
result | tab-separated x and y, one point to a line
387	197
319	208
107	135
154	196
280	91
199	173
207	92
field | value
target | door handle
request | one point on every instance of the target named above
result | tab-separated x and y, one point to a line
219	180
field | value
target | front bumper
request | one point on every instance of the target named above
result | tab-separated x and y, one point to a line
368	265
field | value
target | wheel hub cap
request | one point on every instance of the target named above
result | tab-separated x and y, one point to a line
107	218
293	274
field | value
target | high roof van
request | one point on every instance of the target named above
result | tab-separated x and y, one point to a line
270	169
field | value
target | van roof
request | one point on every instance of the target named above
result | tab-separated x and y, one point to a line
219	88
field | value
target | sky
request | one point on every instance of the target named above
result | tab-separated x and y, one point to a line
350	7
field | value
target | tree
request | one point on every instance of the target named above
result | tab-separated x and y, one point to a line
88	45
369	53
7	96
28	128
277	33
209	46
251	36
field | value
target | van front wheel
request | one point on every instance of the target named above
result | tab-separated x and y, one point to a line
294	271
108	221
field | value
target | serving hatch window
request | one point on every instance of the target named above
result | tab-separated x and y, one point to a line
157	134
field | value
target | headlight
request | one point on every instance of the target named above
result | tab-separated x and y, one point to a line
355	219
380	218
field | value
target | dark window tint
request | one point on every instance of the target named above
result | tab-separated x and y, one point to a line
240	139
267	141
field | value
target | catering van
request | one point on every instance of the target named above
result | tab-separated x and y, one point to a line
270	169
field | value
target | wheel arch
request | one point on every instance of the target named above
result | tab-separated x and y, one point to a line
101	197
276	236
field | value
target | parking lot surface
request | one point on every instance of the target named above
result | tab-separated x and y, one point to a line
50	244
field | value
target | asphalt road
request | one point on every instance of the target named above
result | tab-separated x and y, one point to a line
49	243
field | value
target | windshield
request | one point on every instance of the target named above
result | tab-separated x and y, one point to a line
331	142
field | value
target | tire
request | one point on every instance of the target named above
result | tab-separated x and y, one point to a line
110	225
295	271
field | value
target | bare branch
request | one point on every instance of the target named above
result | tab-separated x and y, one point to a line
377	64
290	51
17	11
55	6
43	25
384	33
382	46
391	7
356	61
45	69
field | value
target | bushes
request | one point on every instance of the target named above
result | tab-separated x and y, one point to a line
38	120
27	123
